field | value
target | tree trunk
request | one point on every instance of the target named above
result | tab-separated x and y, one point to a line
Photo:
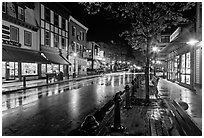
147	71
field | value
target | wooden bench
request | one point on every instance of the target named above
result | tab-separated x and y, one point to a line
183	122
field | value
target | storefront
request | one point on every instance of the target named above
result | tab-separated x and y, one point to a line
18	62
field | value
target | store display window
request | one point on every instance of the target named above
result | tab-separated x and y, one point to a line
29	69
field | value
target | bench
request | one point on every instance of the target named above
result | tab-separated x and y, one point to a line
183	122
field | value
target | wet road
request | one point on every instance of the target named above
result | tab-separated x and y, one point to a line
56	109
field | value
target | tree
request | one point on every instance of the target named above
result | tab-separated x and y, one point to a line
147	20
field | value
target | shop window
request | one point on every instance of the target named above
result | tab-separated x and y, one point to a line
73	31
47	15
21	15
29	69
4	7
27	38
63	23
49	68
56	20
187	79
43	68
14	36
63	43
61	68
56	40
47	38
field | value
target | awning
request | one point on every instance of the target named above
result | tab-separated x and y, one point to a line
55	58
22	55
65	59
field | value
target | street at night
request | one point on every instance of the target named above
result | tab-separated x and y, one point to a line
101	68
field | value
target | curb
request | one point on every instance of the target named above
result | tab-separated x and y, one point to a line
58	82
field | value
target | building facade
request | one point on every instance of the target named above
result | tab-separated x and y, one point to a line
53	36
77	42
20	42
184	60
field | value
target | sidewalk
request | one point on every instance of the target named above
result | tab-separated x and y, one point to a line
15	86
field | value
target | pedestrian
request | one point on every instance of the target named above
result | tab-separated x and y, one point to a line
155	81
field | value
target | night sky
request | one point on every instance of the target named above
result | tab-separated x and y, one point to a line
100	27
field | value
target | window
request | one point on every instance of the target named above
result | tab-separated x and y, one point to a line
4	7
27	38
73	31
21	14
14	34
63	43
47	38
83	36
56	20
29	68
47	15
63	23
56	40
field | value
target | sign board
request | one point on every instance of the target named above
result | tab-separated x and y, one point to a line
175	34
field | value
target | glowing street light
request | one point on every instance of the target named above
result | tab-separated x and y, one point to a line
192	42
155	49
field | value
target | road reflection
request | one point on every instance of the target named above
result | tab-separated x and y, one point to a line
106	86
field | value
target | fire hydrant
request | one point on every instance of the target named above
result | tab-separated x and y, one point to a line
117	120
90	125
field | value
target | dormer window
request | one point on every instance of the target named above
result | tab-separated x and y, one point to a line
21	15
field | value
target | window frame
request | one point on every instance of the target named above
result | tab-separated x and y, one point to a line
56	19
63	23
13	27
46	14
46	31
25	38
22	13
63	46
74	31
56	37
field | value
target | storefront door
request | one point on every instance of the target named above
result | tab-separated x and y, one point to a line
9	70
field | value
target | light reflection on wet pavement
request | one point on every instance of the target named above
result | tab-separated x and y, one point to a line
45	107
178	93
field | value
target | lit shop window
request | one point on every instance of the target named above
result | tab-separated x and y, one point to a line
29	69
188	68
43	69
61	68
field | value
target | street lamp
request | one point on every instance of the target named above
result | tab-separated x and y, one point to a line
75	55
192	42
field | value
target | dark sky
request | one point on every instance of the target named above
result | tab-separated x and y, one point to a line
100	28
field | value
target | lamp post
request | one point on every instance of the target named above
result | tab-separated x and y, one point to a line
74	74
155	50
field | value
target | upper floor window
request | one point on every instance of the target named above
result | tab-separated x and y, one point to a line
4	7
56	19
63	23
47	14
27	38
165	39
73	31
47	38
14	34
56	40
63	43
83	36
21	15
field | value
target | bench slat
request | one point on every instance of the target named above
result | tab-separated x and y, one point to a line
196	131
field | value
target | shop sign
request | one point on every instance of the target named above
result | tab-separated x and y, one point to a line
11	43
175	34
